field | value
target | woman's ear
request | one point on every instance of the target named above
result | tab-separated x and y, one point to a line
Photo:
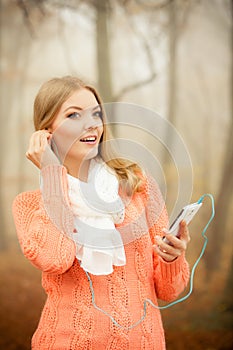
49	130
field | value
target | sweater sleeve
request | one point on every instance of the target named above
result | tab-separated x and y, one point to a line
43	239
170	278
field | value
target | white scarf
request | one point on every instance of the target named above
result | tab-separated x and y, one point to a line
97	208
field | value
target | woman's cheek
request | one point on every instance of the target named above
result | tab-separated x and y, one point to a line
66	136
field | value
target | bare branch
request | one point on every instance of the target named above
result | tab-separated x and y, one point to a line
151	5
28	8
150	60
26	13
65	47
184	11
134	86
40	5
71	4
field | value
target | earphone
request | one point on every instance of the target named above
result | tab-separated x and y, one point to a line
148	301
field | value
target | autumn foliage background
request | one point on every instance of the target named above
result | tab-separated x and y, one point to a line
170	56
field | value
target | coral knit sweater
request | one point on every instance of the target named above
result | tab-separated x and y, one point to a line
69	320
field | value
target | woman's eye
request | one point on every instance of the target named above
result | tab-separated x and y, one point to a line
98	114
74	115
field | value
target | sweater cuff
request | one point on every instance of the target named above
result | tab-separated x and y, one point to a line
55	183
170	270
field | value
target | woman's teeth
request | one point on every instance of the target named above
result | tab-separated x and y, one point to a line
89	139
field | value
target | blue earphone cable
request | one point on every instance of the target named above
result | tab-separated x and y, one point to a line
148	300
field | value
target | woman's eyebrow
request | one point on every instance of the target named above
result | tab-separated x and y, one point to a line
80	109
73	107
96	107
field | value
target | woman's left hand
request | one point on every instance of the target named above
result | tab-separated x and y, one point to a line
179	244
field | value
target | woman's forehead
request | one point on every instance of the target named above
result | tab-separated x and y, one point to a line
81	99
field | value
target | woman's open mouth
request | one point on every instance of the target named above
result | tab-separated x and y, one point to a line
91	140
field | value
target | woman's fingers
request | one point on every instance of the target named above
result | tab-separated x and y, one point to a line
184	232
37	145
165	254
167	248
177	245
38	140
183	236
33	160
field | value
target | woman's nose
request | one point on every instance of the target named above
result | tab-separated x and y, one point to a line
91	122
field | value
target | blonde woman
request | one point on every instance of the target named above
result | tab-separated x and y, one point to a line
94	229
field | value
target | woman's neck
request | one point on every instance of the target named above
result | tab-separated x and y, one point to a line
78	169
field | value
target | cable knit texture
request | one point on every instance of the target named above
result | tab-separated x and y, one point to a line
69	320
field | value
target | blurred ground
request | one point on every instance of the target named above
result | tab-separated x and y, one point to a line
198	323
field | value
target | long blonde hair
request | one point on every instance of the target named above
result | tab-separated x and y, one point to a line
49	100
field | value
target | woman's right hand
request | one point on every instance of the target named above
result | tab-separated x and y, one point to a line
39	151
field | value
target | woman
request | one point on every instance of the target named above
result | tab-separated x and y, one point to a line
95	291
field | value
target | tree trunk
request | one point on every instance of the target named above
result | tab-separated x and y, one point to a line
102	48
12	80
222	209
227	294
3	238
3	138
224	200
171	115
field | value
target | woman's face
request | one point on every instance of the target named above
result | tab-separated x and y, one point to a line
78	127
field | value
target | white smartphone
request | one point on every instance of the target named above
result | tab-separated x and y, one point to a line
187	213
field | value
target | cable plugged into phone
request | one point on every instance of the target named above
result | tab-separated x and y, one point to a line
200	200
148	301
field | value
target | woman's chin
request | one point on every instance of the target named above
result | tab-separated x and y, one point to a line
92	153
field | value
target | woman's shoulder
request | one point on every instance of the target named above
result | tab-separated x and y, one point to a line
150	192
148	183
27	199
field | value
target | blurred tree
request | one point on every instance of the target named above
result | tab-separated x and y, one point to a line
224	204
146	46
224	201
3	239
172	77
8	88
14	64
178	13
102	9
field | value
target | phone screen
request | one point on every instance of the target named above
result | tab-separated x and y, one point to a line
176	219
